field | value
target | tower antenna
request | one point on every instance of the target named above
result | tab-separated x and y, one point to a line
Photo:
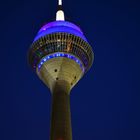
60	13
59	2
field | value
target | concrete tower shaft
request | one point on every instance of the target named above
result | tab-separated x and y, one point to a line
61	116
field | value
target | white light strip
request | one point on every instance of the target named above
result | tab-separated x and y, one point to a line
60	16
59	2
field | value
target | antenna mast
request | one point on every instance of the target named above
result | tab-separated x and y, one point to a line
59	2
60	14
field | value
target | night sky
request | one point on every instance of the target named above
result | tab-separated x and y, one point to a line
105	104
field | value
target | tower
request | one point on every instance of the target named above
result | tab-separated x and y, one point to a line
60	55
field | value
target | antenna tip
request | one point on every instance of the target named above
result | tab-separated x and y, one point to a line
60	14
59	2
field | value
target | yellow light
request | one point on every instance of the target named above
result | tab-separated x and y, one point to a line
60	15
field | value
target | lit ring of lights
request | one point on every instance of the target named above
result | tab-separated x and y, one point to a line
60	54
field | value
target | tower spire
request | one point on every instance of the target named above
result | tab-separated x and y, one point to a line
60	13
59	2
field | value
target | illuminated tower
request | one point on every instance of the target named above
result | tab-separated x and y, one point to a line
60	55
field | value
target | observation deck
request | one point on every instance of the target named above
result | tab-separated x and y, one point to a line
57	44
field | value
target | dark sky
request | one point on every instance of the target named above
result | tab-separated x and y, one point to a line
105	104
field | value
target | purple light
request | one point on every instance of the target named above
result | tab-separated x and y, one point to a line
62	27
60	54
60	23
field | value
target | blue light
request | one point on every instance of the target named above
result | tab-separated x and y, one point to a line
68	55
61	54
77	61
61	27
60	23
72	57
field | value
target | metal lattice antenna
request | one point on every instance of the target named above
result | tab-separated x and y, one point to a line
60	14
